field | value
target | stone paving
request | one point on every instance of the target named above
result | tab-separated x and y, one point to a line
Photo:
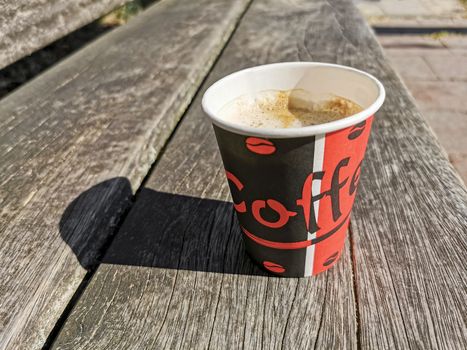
396	10
435	71
434	67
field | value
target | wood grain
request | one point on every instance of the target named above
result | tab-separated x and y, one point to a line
410	222
28	25
176	275
408	228
104	113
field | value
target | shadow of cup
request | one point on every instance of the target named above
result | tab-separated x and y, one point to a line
161	230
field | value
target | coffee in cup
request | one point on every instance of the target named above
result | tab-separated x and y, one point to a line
287	109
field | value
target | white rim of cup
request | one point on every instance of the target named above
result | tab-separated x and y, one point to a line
301	131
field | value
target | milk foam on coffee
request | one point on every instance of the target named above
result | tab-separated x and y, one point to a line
286	109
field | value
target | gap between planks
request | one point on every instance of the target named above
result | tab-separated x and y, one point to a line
89	275
353	260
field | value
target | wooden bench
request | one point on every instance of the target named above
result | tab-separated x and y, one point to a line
28	25
116	224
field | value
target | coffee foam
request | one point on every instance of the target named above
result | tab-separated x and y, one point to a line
286	109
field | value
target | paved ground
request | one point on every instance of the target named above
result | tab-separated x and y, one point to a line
434	67
435	71
394	11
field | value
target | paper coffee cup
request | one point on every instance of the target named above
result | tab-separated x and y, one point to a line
293	189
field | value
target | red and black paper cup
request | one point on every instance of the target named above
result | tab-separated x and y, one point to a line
293	188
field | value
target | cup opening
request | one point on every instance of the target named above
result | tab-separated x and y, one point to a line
316	78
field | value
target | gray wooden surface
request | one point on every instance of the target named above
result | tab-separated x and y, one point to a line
409	224
102	114
176	275
28	25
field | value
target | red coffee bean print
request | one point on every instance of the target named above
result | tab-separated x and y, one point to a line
357	130
260	146
273	267
331	259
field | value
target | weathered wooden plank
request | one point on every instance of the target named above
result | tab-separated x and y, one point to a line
139	299
103	113
408	228
176	275
28	25
410	222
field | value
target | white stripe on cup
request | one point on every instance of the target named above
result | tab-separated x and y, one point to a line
318	158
